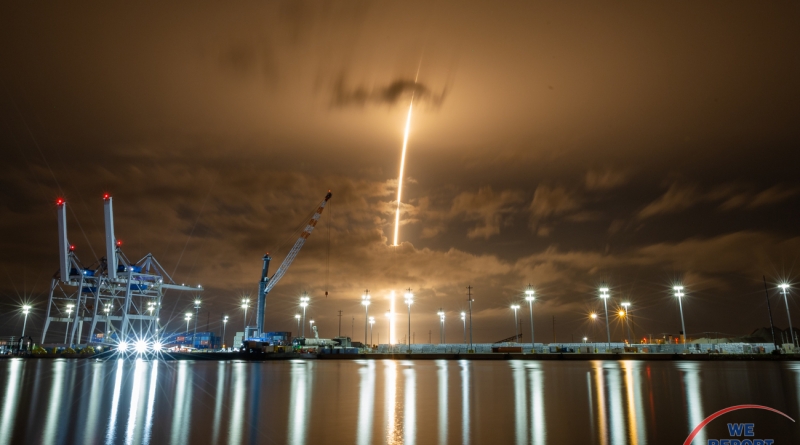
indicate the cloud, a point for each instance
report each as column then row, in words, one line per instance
column 388, row 94
column 552, row 201
column 487, row 207
column 604, row 179
column 752, row 200
column 677, row 198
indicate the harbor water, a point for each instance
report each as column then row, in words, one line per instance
column 65, row 401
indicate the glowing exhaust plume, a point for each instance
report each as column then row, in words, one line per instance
column 400, row 178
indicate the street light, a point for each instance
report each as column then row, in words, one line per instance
column 188, row 317
column 197, row 312
column 516, row 329
column 785, row 289
column 679, row 294
column 151, row 306
column 365, row 301
column 464, row 321
column 303, row 304
column 69, row 317
column 311, row 325
column 529, row 298
column 585, row 339
column 371, row 324
column 25, row 310
column 224, row 329
column 107, row 309
column 441, row 325
column 469, row 299
column 297, row 317
column 409, row 301
column 593, row 316
column 604, row 296
column 245, row 305
column 627, row 321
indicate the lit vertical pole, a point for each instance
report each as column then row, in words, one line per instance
column 365, row 302
column 679, row 294
column 469, row 299
column 297, row 317
column 409, row 301
column 188, row 317
column 529, row 298
column 303, row 304
column 69, row 315
column 224, row 329
column 25, row 310
column 107, row 309
column 245, row 305
column 516, row 326
column 628, row 322
column 441, row 325
column 197, row 315
column 785, row 288
column 604, row 296
column 593, row 316
column 371, row 324
column 464, row 322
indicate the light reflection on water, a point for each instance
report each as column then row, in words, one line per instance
column 383, row 401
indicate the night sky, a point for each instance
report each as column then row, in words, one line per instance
column 563, row 145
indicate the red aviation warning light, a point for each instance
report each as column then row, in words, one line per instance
column 106, row 196
column 72, row 247
column 119, row 243
column 59, row 201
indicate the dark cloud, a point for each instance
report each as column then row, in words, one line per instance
column 386, row 94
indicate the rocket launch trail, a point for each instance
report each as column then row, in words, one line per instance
column 402, row 168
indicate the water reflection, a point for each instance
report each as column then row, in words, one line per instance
column 366, row 401
column 465, row 419
column 302, row 381
column 538, row 421
column 441, row 374
column 10, row 399
column 691, row 386
column 410, row 409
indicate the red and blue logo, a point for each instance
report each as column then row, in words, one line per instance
column 740, row 433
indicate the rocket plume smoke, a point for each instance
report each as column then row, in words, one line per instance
column 402, row 167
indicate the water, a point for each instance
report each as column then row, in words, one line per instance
column 383, row 401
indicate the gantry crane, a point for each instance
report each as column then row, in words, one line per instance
column 267, row 283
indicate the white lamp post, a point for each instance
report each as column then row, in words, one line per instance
column 297, row 317
column 785, row 289
column 304, row 304
column 679, row 294
column 604, row 296
column 245, row 305
column 441, row 325
column 25, row 310
column 365, row 301
column 627, row 321
column 371, row 324
column 529, row 298
column 224, row 329
column 464, row 322
column 69, row 317
column 197, row 316
column 516, row 329
column 409, row 301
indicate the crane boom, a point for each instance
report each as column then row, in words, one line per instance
column 267, row 283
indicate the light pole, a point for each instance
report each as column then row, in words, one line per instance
column 628, row 322
column 224, row 329
column 25, row 310
column 151, row 306
column 409, row 301
column 516, row 329
column 365, row 301
column 311, row 325
column 593, row 316
column 188, row 317
column 245, row 305
column 604, row 296
column 679, row 294
column 303, row 304
column 197, row 315
column 785, row 289
column 464, row 322
column 441, row 325
column 107, row 309
column 529, row 298
column 469, row 299
column 371, row 324
column 297, row 317
column 69, row 317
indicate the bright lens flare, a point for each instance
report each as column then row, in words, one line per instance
column 402, row 168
